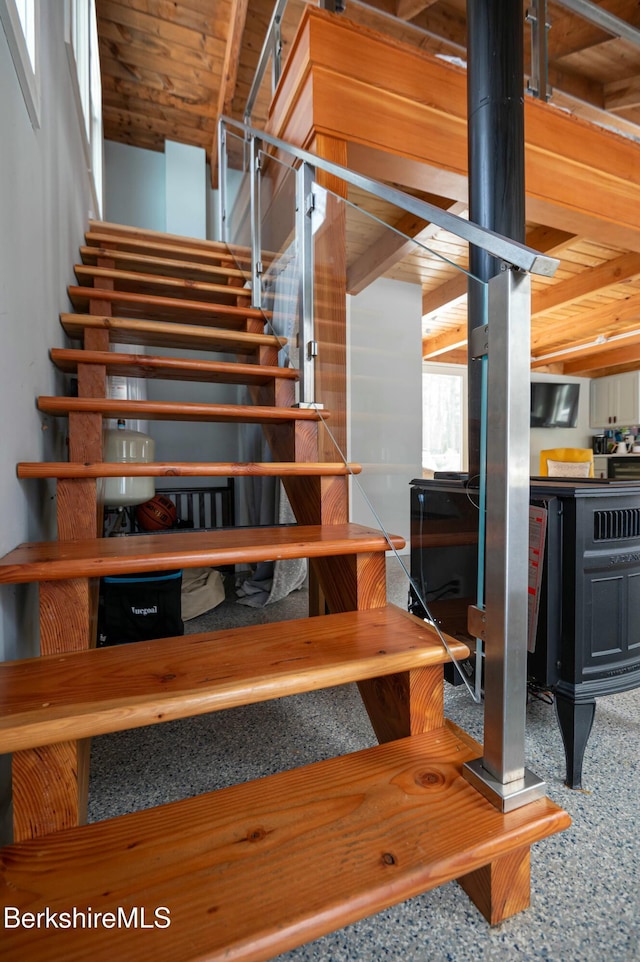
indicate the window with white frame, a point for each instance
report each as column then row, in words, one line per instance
column 444, row 417
column 84, row 59
column 20, row 19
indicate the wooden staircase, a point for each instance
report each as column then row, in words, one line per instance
column 255, row 869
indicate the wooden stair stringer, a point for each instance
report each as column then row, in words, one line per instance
column 308, row 851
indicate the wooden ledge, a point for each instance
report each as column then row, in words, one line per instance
column 59, row 697
column 256, row 869
column 138, row 281
column 184, row 469
column 60, row 560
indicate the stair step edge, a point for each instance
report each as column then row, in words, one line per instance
column 175, row 410
column 93, row 558
column 174, row 368
column 80, row 694
column 258, row 868
column 184, row 469
column 168, row 333
column 80, row 295
column 161, row 264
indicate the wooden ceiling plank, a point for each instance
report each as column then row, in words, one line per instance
column 154, row 80
column 229, row 75
column 159, row 110
column 136, row 57
column 129, row 17
column 203, row 16
column 117, row 91
column 135, row 40
column 121, row 120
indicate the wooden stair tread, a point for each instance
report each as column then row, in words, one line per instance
column 258, row 868
column 184, row 469
column 116, row 231
column 153, row 333
column 171, row 368
column 57, row 697
column 175, row 410
column 130, row 304
column 163, row 285
column 171, row 249
column 166, row 266
column 59, row 560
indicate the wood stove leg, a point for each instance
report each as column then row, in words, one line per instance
column 502, row 888
column 575, row 720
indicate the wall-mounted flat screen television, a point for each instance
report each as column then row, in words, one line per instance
column 554, row 405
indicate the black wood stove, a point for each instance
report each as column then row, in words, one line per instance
column 587, row 642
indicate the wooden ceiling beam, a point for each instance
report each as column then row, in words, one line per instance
column 393, row 247
column 588, row 282
column 229, row 76
column 547, row 240
column 604, row 321
column 607, row 357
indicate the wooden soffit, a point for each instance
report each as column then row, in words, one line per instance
column 403, row 115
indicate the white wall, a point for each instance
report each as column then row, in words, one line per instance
column 185, row 189
column 44, row 208
column 134, row 189
column 578, row 437
column 385, row 400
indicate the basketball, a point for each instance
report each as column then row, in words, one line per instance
column 156, row 514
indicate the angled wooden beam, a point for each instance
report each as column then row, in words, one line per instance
column 574, row 289
column 393, row 247
column 605, row 321
column 547, row 240
column 451, row 340
column 607, row 357
column 229, row 74
column 408, row 9
column 445, row 295
column 622, row 94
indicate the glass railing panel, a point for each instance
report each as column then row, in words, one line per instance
column 280, row 277
column 237, row 226
column 369, row 279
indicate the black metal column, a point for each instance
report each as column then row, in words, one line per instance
column 495, row 99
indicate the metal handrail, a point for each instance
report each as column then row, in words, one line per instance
column 271, row 37
column 511, row 252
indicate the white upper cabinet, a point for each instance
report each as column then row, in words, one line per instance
column 615, row 400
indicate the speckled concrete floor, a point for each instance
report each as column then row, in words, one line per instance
column 585, row 881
